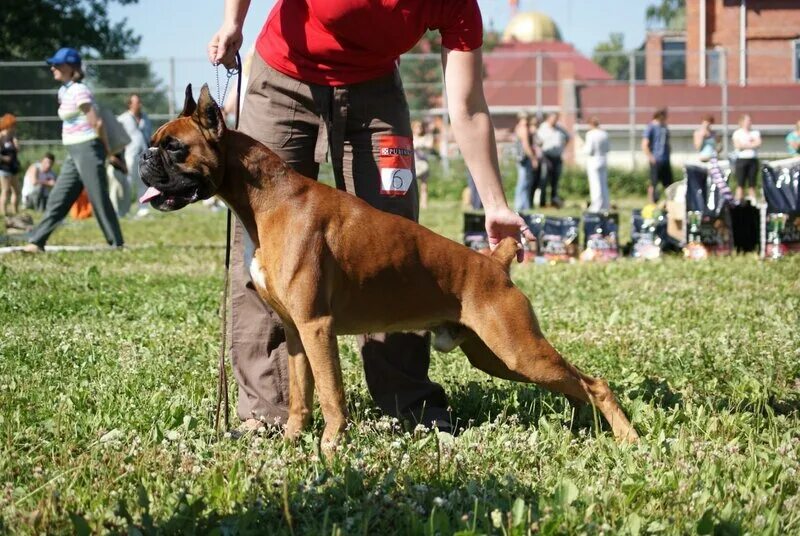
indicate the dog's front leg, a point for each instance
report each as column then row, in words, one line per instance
column 301, row 386
column 322, row 352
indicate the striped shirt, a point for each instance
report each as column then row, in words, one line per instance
column 76, row 127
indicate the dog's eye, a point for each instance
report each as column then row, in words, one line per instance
column 173, row 145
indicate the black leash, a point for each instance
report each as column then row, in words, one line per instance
column 222, row 384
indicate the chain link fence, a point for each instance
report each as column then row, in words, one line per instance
column 622, row 96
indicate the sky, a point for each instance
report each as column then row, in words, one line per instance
column 182, row 28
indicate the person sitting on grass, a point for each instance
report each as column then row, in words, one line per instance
column 39, row 180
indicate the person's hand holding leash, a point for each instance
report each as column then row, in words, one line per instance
column 225, row 44
column 228, row 40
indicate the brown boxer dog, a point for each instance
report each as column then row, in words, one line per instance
column 329, row 264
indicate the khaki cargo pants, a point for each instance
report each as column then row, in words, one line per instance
column 303, row 123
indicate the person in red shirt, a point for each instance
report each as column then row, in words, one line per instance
column 324, row 84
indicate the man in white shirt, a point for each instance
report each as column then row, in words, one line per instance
column 139, row 129
column 595, row 148
column 554, row 139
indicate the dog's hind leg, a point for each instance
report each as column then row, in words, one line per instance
column 322, row 352
column 513, row 347
column 301, row 386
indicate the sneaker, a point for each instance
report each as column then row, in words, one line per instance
column 32, row 248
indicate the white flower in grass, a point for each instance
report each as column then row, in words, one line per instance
column 497, row 518
column 438, row 501
column 421, row 429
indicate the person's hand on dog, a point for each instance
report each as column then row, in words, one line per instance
column 225, row 44
column 502, row 222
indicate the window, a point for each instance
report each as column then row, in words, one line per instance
column 796, row 59
column 714, row 66
column 673, row 66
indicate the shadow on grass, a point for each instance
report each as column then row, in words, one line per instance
column 478, row 402
column 343, row 497
column 656, row 392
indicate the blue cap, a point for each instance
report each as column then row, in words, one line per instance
column 65, row 55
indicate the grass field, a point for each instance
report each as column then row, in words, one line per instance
column 108, row 376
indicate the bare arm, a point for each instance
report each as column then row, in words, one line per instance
column 97, row 124
column 646, row 149
column 474, row 133
column 698, row 139
column 226, row 42
column 30, row 175
column 524, row 135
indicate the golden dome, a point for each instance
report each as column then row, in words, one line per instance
column 531, row 26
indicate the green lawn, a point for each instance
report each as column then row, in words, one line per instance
column 108, row 376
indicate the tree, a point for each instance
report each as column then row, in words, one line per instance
column 422, row 77
column 611, row 56
column 35, row 29
column 669, row 14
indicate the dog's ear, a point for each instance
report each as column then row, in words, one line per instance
column 189, row 106
column 208, row 114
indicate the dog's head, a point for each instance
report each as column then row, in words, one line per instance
column 185, row 160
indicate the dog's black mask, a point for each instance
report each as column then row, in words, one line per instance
column 182, row 164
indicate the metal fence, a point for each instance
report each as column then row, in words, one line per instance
column 537, row 81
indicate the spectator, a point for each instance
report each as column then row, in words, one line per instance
column 527, row 153
column 139, row 129
column 595, row 148
column 706, row 141
column 656, row 147
column 554, row 139
column 9, row 166
column 793, row 141
column 423, row 146
column 39, row 180
column 746, row 143
column 87, row 148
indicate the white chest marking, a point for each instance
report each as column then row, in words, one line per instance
column 257, row 275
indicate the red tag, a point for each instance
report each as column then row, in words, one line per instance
column 396, row 165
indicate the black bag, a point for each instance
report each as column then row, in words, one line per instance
column 781, row 188
column 559, row 239
column 648, row 236
column 600, row 236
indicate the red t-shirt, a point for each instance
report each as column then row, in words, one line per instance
column 339, row 42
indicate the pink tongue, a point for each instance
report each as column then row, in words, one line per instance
column 151, row 193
